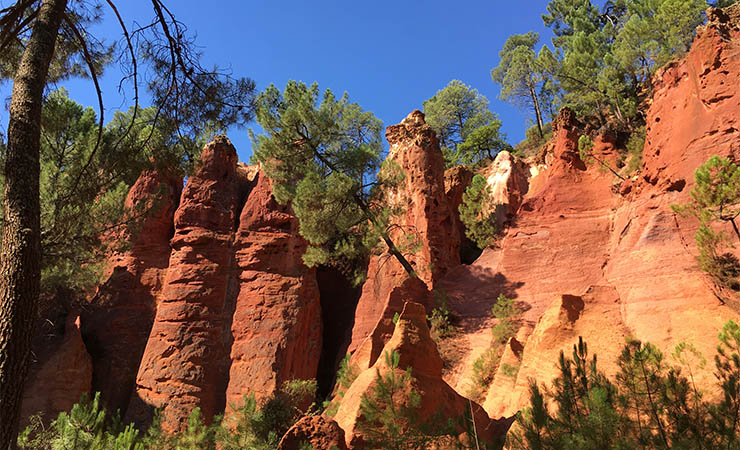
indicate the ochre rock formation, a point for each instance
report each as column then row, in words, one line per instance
column 588, row 257
column 417, row 350
column 237, row 312
column 457, row 180
column 117, row 323
column 212, row 301
column 318, row 431
column 428, row 218
column 277, row 321
column 508, row 180
column 186, row 360
column 62, row 379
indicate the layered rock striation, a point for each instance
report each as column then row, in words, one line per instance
column 417, row 351
column 428, row 219
column 185, row 363
column 276, row 325
column 594, row 256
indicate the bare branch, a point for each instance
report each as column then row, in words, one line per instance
column 94, row 76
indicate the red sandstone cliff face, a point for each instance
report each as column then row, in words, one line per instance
column 185, row 363
column 583, row 260
column 60, row 381
column 277, row 322
column 417, row 350
column 238, row 312
column 428, row 218
column 117, row 325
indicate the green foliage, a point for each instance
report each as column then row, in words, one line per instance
column 468, row 131
column 484, row 369
column 482, row 144
column 477, row 213
column 585, row 145
column 347, row 372
column 650, row 405
column 323, row 157
column 509, row 371
column 196, row 435
column 635, row 145
column 440, row 319
column 395, row 318
column 507, row 312
column 83, row 187
column 346, row 375
column 533, row 142
column 389, row 412
column 717, row 189
column 715, row 196
column 526, row 78
column 88, row 426
column 605, row 59
column 246, row 429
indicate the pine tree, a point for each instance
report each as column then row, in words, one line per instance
column 477, row 213
column 715, row 196
column 323, row 158
column 468, row 131
column 389, row 412
column 187, row 97
column 524, row 76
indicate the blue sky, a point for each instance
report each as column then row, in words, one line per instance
column 388, row 55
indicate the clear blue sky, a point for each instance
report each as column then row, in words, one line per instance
column 388, row 55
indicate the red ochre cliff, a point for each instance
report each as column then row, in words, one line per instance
column 212, row 301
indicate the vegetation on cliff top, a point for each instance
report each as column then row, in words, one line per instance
column 468, row 131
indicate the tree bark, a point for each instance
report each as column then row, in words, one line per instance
column 537, row 112
column 734, row 227
column 20, row 263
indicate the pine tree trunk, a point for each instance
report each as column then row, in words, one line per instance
column 734, row 227
column 20, row 263
column 537, row 112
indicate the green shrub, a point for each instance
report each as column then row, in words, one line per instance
column 88, row 426
column 533, row 143
column 509, row 371
column 585, row 145
column 651, row 403
column 715, row 197
column 635, row 145
column 484, row 368
column 507, row 313
column 390, row 418
column 440, row 320
column 477, row 213
column 346, row 375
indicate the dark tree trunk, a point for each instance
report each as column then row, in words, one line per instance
column 20, row 263
column 537, row 112
column 734, row 227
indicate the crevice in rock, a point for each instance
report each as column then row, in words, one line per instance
column 232, row 292
column 469, row 252
column 338, row 303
